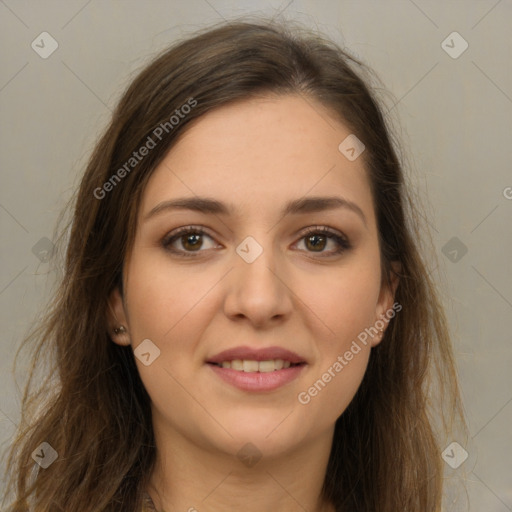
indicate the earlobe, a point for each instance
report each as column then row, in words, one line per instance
column 380, row 325
column 117, row 319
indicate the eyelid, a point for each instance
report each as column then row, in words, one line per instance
column 322, row 229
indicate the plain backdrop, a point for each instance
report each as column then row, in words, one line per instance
column 454, row 107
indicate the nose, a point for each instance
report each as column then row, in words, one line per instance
column 258, row 291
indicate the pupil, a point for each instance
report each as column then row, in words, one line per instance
column 316, row 244
column 192, row 240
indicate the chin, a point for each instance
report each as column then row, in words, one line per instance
column 271, row 432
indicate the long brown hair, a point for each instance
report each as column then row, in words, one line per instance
column 93, row 409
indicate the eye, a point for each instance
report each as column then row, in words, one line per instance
column 317, row 238
column 189, row 237
column 191, row 240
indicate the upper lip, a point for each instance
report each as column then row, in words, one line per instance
column 256, row 354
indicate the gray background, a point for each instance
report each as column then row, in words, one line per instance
column 455, row 116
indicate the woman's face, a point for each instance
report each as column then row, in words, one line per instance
column 254, row 278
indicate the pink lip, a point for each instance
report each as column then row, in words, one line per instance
column 261, row 354
column 256, row 381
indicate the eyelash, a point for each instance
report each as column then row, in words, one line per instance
column 168, row 240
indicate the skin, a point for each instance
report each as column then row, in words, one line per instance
column 256, row 155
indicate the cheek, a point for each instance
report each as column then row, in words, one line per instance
column 342, row 358
column 170, row 307
column 162, row 298
column 329, row 393
column 346, row 304
column 342, row 303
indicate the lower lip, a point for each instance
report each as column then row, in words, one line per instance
column 258, row 381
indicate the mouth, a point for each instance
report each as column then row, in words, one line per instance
column 253, row 366
column 257, row 370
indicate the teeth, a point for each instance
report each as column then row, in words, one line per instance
column 237, row 364
column 266, row 366
column 250, row 366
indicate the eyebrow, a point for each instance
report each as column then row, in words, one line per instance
column 297, row 206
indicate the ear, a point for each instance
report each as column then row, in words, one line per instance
column 116, row 317
column 385, row 311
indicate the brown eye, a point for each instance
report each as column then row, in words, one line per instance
column 191, row 242
column 186, row 241
column 316, row 242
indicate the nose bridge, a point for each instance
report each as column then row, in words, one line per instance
column 256, row 263
column 257, row 289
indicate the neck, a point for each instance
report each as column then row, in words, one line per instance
column 191, row 478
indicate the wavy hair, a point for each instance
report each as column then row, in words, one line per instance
column 92, row 407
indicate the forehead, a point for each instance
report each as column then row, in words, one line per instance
column 261, row 153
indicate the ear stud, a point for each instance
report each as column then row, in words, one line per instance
column 120, row 330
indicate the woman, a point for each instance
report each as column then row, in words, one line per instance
column 245, row 320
